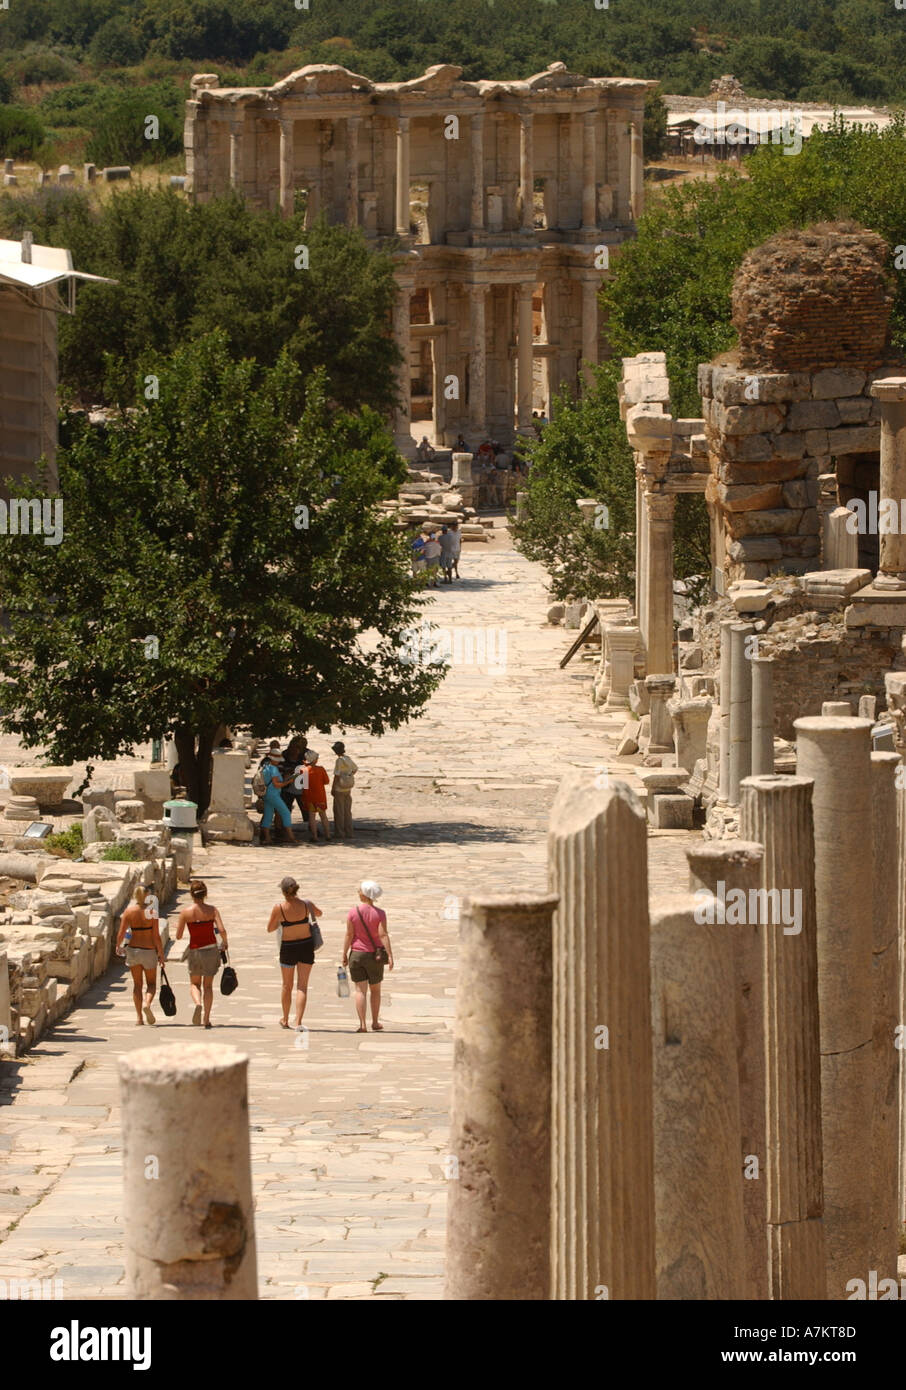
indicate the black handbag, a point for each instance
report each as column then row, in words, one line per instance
column 380, row 952
column 167, row 997
column 228, row 977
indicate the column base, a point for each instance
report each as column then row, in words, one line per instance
column 889, row 583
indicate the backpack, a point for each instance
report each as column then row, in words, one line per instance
column 259, row 786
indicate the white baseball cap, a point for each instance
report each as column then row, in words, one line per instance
column 370, row 888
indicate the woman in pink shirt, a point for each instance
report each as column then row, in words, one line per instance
column 366, row 949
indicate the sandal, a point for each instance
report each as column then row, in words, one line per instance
column 283, row 1025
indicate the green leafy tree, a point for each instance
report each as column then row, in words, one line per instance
column 122, row 134
column 183, row 270
column 22, row 134
column 654, row 133
column 252, row 550
column 116, row 44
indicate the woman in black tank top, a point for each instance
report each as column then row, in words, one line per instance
column 294, row 916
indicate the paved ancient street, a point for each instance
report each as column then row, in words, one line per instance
column 349, row 1132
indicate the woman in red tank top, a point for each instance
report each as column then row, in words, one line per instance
column 204, row 923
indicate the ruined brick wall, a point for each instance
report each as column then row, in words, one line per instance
column 815, row 657
column 814, row 298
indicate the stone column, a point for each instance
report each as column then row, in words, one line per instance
column 237, row 130
column 476, row 214
column 636, row 172
column 698, row 1186
column 731, row 871
column 402, row 176
column 477, row 358
column 352, row 170
column 188, row 1217
column 762, row 715
column 726, row 686
column 841, row 545
column 660, row 692
column 287, row 152
column 690, row 731
column 526, row 171
column 402, row 430
column 836, row 754
column 740, row 709
column 525, row 361
column 622, row 641
column 603, row 1147
column 777, row 812
column 589, row 184
column 439, row 364
column 659, row 581
column 891, row 392
column 641, row 558
column 589, row 330
column 499, row 1208
column 886, row 1016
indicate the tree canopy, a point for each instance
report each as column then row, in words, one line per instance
column 251, row 549
column 183, row 270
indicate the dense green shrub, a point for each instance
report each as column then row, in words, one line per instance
column 116, row 45
column 22, row 134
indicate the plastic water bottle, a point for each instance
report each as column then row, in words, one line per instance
column 342, row 982
column 126, row 939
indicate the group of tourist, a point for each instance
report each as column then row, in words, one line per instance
column 366, row 950
column 294, row 776
column 437, row 551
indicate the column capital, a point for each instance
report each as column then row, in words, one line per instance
column 660, row 505
column 477, row 291
column 525, row 290
column 353, row 122
column 402, row 124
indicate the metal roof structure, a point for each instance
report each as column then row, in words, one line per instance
column 29, row 267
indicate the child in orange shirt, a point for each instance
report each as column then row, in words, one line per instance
column 315, row 794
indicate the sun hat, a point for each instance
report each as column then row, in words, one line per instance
column 370, row 888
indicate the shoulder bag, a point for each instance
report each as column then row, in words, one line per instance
column 316, row 937
column 380, row 952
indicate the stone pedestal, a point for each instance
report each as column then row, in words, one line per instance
column 690, row 730
column 777, row 811
column 698, row 1186
column 499, row 1205
column 188, row 1218
column 152, row 788
column 620, row 641
column 660, row 691
column 740, row 709
column 603, row 1219
column 886, row 1016
column 730, row 870
column 836, row 755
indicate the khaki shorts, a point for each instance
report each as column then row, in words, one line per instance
column 140, row 955
column 204, row 960
column 363, row 966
